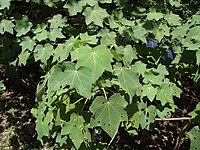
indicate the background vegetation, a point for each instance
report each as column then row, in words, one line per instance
column 106, row 74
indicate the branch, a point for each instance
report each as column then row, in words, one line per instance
column 173, row 119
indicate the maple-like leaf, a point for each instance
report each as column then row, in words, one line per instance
column 129, row 81
column 108, row 113
column 95, row 15
column 97, row 59
column 6, row 26
column 81, row 79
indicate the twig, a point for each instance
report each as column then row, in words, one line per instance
column 173, row 119
column 180, row 136
column 104, row 92
column 78, row 100
column 112, row 138
column 84, row 105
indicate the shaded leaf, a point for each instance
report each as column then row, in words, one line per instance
column 129, row 81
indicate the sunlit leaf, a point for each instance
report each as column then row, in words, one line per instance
column 95, row 15
column 108, row 113
column 98, row 59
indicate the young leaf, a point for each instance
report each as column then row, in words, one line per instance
column 161, row 31
column 108, row 113
column 6, row 26
column 173, row 19
column 57, row 21
column 97, row 59
column 149, row 91
column 165, row 94
column 139, row 33
column 90, row 39
column 43, row 53
column 27, row 43
column 129, row 54
column 23, row 26
column 96, row 15
column 75, row 129
column 55, row 33
column 61, row 52
column 129, row 81
column 74, row 7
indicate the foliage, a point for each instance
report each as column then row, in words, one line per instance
column 2, row 86
column 106, row 64
column 194, row 135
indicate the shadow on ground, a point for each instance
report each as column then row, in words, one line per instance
column 16, row 122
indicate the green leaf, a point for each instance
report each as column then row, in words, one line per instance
column 149, row 91
column 27, row 43
column 75, row 129
column 2, row 86
column 129, row 81
column 195, row 114
column 61, row 139
column 23, row 26
column 161, row 31
column 179, row 32
column 95, row 15
column 198, row 56
column 41, row 35
column 4, row 4
column 41, row 128
column 173, row 19
column 108, row 113
column 153, row 77
column 144, row 116
column 23, row 57
column 112, row 22
column 105, row 1
column 55, row 33
column 97, row 59
column 140, row 67
column 107, row 37
column 175, row 3
column 91, row 39
column 194, row 33
column 43, row 53
column 139, row 33
column 166, row 110
column 165, row 94
column 39, row 28
column 57, row 21
column 129, row 54
column 74, row 7
column 153, row 15
column 6, row 26
column 81, row 79
column 61, row 52
column 195, row 20
column 194, row 135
